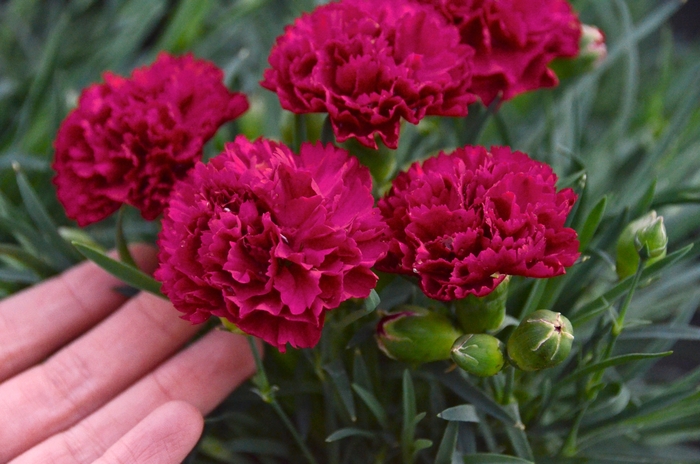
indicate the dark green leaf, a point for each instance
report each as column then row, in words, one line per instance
column 409, row 413
column 373, row 404
column 17, row 276
column 517, row 435
column 127, row 274
column 489, row 458
column 600, row 304
column 43, row 221
column 614, row 361
column 462, row 387
column 461, row 413
column 592, row 222
column 349, row 432
column 340, row 379
column 122, row 245
column 26, row 259
column 666, row 332
column 421, row 443
column 448, row 444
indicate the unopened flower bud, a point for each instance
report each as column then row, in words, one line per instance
column 479, row 354
column 542, row 340
column 477, row 315
column 416, row 335
column 592, row 46
column 642, row 238
column 592, row 52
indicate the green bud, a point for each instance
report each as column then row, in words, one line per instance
column 644, row 238
column 479, row 354
column 416, row 335
column 542, row 340
column 477, row 315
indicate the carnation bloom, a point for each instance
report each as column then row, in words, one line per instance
column 270, row 240
column 514, row 40
column 130, row 139
column 462, row 222
column 370, row 63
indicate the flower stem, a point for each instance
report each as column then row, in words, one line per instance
column 267, row 393
column 510, row 383
column 569, row 447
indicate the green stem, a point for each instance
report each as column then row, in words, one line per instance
column 267, row 393
column 300, row 135
column 510, row 384
column 617, row 326
column 569, row 447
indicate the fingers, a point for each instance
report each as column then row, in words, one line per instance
column 41, row 319
column 88, row 372
column 165, row 436
column 202, row 375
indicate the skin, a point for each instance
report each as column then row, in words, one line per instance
column 87, row 375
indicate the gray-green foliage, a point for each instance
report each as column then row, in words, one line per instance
column 629, row 132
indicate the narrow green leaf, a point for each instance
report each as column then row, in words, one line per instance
column 186, row 24
column 372, row 301
column 646, row 201
column 27, row 236
column 489, row 458
column 664, row 332
column 26, row 259
column 448, row 444
column 369, row 305
column 614, row 361
column 360, row 373
column 349, row 432
column 600, row 304
column 373, row 404
column 518, row 437
column 42, row 219
column 122, row 245
column 18, row 276
column 421, row 443
column 463, row 388
column 533, row 298
column 409, row 413
column 592, row 222
column 126, row 273
column 340, row 379
column 461, row 413
column 572, row 180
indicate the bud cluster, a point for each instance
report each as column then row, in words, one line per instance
column 417, row 335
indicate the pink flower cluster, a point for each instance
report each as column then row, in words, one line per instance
column 270, row 240
column 130, row 139
column 370, row 64
column 462, row 222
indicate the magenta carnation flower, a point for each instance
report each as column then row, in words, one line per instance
column 462, row 222
column 369, row 64
column 514, row 40
column 130, row 139
column 270, row 240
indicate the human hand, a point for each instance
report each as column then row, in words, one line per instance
column 89, row 376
